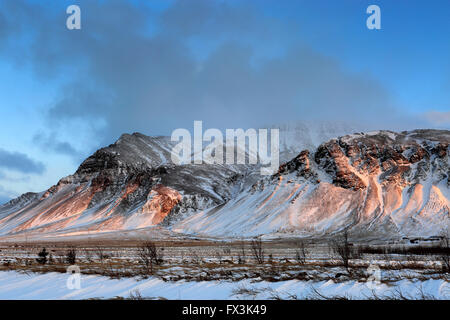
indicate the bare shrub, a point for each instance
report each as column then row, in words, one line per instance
column 135, row 295
column 445, row 255
column 60, row 257
column 301, row 252
column 242, row 290
column 112, row 272
column 88, row 255
column 422, row 295
column 42, row 256
column 397, row 294
column 345, row 250
column 227, row 252
column 100, row 253
column 148, row 256
column 315, row 294
column 257, row 250
column 218, row 256
column 241, row 256
column 71, row 256
column 274, row 294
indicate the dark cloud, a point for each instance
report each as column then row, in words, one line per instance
column 131, row 69
column 20, row 162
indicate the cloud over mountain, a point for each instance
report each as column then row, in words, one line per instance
column 132, row 68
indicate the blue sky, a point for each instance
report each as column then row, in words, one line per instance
column 154, row 66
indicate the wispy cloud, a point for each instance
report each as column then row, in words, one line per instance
column 440, row 118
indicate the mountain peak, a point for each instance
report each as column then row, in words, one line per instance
column 130, row 151
column 380, row 183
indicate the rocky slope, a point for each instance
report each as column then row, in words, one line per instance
column 128, row 185
column 377, row 184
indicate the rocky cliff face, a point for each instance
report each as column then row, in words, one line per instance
column 377, row 184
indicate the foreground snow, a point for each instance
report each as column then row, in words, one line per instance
column 15, row 285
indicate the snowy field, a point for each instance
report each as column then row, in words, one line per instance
column 15, row 285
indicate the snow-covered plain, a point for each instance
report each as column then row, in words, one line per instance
column 15, row 285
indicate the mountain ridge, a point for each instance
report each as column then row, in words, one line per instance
column 364, row 181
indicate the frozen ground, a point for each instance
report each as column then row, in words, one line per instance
column 15, row 285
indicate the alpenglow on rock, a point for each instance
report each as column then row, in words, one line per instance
column 376, row 184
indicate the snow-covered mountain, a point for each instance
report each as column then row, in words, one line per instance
column 378, row 184
column 128, row 185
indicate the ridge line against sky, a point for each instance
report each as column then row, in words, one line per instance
column 154, row 66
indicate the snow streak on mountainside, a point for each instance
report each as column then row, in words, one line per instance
column 378, row 183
